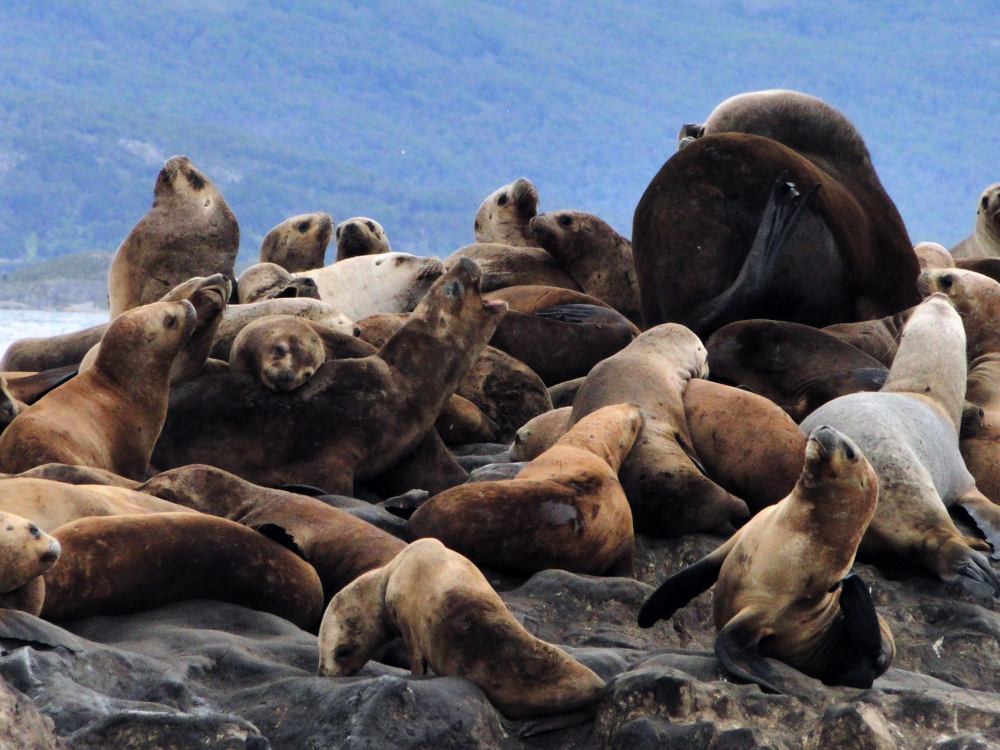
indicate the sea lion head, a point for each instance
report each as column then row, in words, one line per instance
column 975, row 297
column 283, row 351
column 455, row 304
column 354, row 626
column 180, row 181
column 209, row 295
column 8, row 405
column 503, row 217
column 361, row 236
column 677, row 343
column 933, row 255
column 154, row 332
column 26, row 552
column 299, row 243
column 689, row 133
column 271, row 281
column 988, row 209
column 567, row 233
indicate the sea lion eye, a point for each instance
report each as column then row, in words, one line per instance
column 338, row 233
column 947, row 280
column 33, row 530
column 849, row 452
column 502, row 200
column 281, row 350
column 171, row 322
column 986, row 201
column 303, row 226
column 371, row 226
column 565, row 221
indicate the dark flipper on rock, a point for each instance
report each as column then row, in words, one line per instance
column 678, row 590
column 736, row 650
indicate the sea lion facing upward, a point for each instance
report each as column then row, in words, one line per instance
column 566, row 509
column 909, row 432
column 26, row 553
column 503, row 217
column 595, row 254
column 361, row 236
column 270, row 281
column 298, row 243
column 455, row 623
column 188, row 232
column 110, row 416
column 984, row 242
column 782, row 588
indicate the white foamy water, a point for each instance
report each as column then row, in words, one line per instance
column 20, row 324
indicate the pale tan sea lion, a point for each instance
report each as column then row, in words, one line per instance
column 298, row 243
column 984, row 242
column 264, row 281
column 361, row 236
column 445, row 610
column 933, row 255
column 188, row 232
column 503, row 217
column 75, row 475
column 26, row 553
column 540, row 433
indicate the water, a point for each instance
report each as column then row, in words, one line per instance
column 19, row 324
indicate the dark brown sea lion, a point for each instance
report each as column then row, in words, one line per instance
column 298, row 243
column 51, row 352
column 879, row 339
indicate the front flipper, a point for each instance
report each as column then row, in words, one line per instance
column 678, row 590
column 986, row 516
column 865, row 632
column 736, row 648
column 978, row 577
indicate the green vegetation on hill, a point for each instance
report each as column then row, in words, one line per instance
column 412, row 113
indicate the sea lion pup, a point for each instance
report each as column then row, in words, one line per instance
column 110, row 416
column 339, row 546
column 454, row 623
column 507, row 265
column 909, row 432
column 188, row 232
column 26, row 553
column 564, row 510
column 746, row 443
column 668, row 491
column 270, row 281
column 797, row 367
column 782, row 588
column 50, row 504
column 51, row 352
column 298, row 243
column 354, row 419
column 503, row 217
column 984, row 242
column 281, row 351
column 933, row 255
column 372, row 284
column 119, row 565
column 595, row 255
column 361, row 236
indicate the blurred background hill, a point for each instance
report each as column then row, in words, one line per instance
column 412, row 113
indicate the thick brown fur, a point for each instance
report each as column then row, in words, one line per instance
column 506, row 265
column 263, row 281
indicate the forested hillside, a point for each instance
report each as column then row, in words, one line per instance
column 413, row 112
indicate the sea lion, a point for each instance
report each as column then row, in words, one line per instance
column 298, row 243
column 371, row 284
column 595, row 255
column 339, row 546
column 270, row 281
column 668, row 491
column 9, row 406
column 27, row 388
column 984, row 242
column 354, row 419
column 986, row 266
column 503, row 217
column 565, row 509
column 933, row 255
column 75, row 475
column 188, row 232
column 38, row 354
column 879, row 339
column 281, row 351
column 746, row 443
column 360, row 236
column 782, row 588
column 507, row 265
column 26, row 554
column 453, row 622
column 119, row 565
column 110, row 416
column 430, row 466
column 461, row 422
column 909, row 432
column 49, row 504
column 540, row 433
column 563, row 394
column 797, row 367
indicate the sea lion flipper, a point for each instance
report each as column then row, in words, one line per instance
column 860, row 616
column 986, row 516
column 978, row 577
column 30, row 388
column 736, row 650
column 679, row 589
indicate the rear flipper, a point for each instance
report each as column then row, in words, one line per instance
column 781, row 216
column 736, row 649
column 986, row 516
column 865, row 632
column 679, row 589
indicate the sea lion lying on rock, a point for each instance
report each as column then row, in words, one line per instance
column 270, row 281
column 298, row 243
column 361, row 236
column 507, row 265
column 26, row 553
column 503, row 217
column 453, row 622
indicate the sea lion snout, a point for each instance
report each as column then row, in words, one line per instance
column 52, row 553
column 825, row 443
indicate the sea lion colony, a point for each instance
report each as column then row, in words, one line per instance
column 764, row 362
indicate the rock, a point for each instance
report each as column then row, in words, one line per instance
column 855, row 727
column 647, row 733
column 22, row 725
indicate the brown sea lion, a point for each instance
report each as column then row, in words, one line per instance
column 503, row 217
column 26, row 553
column 9, row 406
column 188, row 232
column 879, row 339
column 563, row 394
column 453, row 622
column 354, row 419
column 264, row 281
column 360, row 236
column 462, row 422
column 298, row 243
column 933, row 255
column 669, row 493
column 540, row 433
column 595, row 255
column 984, row 242
column 339, row 546
column 75, row 475
column 797, row 367
column 909, row 431
column 27, row 388
column 563, row 510
column 777, row 238
column 51, row 352
column 281, row 351
column 986, row 266
column 506, row 265
column 110, row 416
column 119, row 565
column 782, row 588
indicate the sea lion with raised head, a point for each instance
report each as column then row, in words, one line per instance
column 264, row 281
column 782, row 583
column 361, row 236
column 454, row 623
column 984, row 242
column 503, row 217
column 26, row 554
column 298, row 243
column 189, row 231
